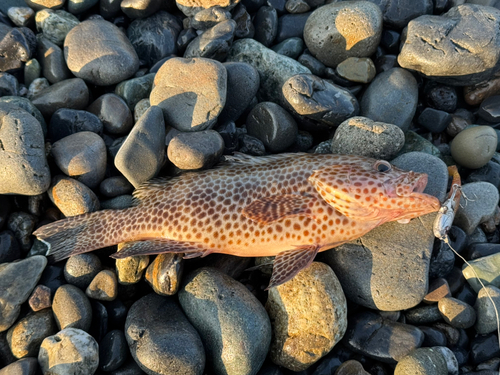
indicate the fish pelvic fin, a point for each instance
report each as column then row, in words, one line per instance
column 81, row 234
column 289, row 263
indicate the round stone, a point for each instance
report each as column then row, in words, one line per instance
column 27, row 105
column 486, row 316
column 104, row 286
column 113, row 351
column 195, row 150
column 93, row 50
column 82, row 156
column 357, row 69
column 309, row 315
column 474, row 147
column 362, row 136
column 65, row 122
column 226, row 314
column 52, row 60
column 130, row 270
column 71, row 93
column 266, row 25
column 191, row 92
column 353, row 29
column 113, row 112
column 135, row 89
column 9, row 85
column 70, row 351
column 291, row 47
column 207, row 18
column 72, row 197
column 81, row 269
column 71, row 308
column 457, row 313
column 273, row 125
column 114, row 186
column 422, row 361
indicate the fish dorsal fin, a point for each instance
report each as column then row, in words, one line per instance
column 289, row 263
column 152, row 247
column 240, row 158
column 267, row 210
column 333, row 184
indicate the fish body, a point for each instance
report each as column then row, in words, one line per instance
column 288, row 205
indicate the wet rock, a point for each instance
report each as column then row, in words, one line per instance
column 472, row 38
column 274, row 69
column 164, row 274
column 19, row 279
column 391, row 98
column 474, row 147
column 55, row 24
column 72, row 308
column 362, row 136
column 193, row 97
column 27, row 334
column 94, row 48
column 341, row 39
column 71, row 93
column 72, row 197
column 70, row 351
column 154, row 37
column 316, row 99
column 309, row 315
column 383, row 340
column 104, row 286
column 225, row 313
column 142, row 154
column 213, row 43
column 161, row 339
column 81, row 269
column 113, row 112
column 274, row 126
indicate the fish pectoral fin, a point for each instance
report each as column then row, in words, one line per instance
column 289, row 263
column 152, row 247
column 276, row 207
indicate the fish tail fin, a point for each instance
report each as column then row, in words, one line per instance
column 82, row 233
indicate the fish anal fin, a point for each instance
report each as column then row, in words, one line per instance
column 289, row 263
column 159, row 246
column 275, row 207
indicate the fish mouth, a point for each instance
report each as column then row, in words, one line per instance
column 418, row 192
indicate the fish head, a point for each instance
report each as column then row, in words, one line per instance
column 374, row 190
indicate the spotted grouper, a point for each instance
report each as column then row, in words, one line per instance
column 289, row 205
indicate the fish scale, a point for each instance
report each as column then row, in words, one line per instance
column 288, row 205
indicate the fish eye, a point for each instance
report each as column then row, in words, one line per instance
column 382, row 166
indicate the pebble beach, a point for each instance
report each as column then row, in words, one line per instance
column 98, row 97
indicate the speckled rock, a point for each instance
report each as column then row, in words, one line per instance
column 354, row 30
column 72, row 197
column 195, row 150
column 362, row 136
column 391, row 98
column 71, row 308
column 274, row 69
column 142, row 154
column 21, row 16
column 225, row 313
column 81, row 269
column 81, row 156
column 130, row 270
column 164, row 273
column 193, row 97
column 422, row 361
column 23, row 165
column 474, row 147
column 71, row 93
column 161, row 339
column 472, row 39
column 27, row 334
column 480, row 208
column 55, row 24
column 486, row 318
column 19, row 279
column 70, row 351
column 41, row 298
column 95, row 48
column 309, row 315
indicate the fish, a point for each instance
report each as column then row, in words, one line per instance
column 290, row 206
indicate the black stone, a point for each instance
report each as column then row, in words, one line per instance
column 53, row 276
column 291, row 47
column 489, row 173
column 228, row 133
column 461, row 354
column 489, row 109
column 207, row 18
column 291, row 25
column 266, row 25
column 466, row 294
column 5, row 206
column 442, row 261
column 390, row 41
column 113, row 351
column 6, row 356
column 66, row 121
column 99, row 326
column 214, row 43
column 432, row 336
column 185, row 37
column 52, row 61
column 117, row 313
column 9, row 247
column 425, row 314
column 313, row 64
column 455, row 280
column 479, row 250
column 251, row 145
column 484, row 347
column 16, row 50
column 385, row 62
column 458, row 239
column 244, row 25
column 279, row 5
column 155, row 37
column 440, row 96
column 253, row 5
column 434, row 120
column 452, row 334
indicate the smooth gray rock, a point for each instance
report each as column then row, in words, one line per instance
column 213, row 43
column 142, row 154
column 291, row 47
column 457, row 313
column 71, row 308
column 225, row 314
column 362, row 136
column 18, row 280
column 243, row 81
column 113, row 112
column 72, row 197
column 191, row 92
column 95, row 48
column 274, row 69
column 353, row 29
column 114, row 186
column 487, row 268
column 479, row 208
column 32, row 70
column 52, row 60
column 161, row 339
column 486, row 317
column 195, row 150
column 81, row 156
column 475, row 146
column 81, row 269
column 391, row 98
column 26, row 335
column 23, row 165
column 397, row 13
column 386, row 269
column 71, row 93
column 309, row 315
column 27, row 105
column 467, row 53
column 55, row 24
column 316, row 99
column 9, row 85
column 70, row 351
column 135, row 89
